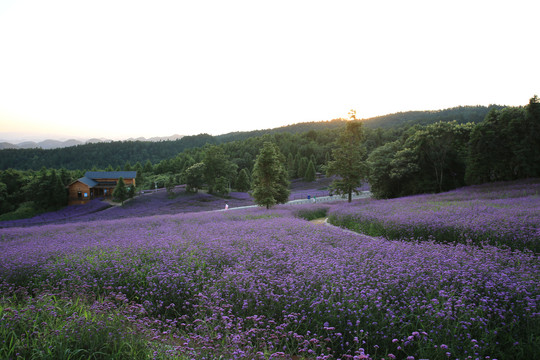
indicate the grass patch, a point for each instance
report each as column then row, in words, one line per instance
column 312, row 214
column 51, row 328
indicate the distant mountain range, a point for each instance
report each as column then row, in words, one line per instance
column 55, row 144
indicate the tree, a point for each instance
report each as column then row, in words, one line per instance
column 270, row 183
column 59, row 194
column 291, row 166
column 139, row 179
column 148, row 167
column 120, row 191
column 169, row 185
column 217, row 164
column 348, row 160
column 4, row 206
column 194, row 177
column 242, row 182
column 310, row 174
column 221, row 186
column 439, row 146
column 302, row 166
column 491, row 147
column 382, row 185
column 131, row 191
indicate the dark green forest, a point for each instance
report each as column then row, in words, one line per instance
column 117, row 153
column 402, row 154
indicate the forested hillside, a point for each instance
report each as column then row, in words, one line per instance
column 117, row 153
column 461, row 114
column 99, row 155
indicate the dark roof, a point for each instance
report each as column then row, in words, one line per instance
column 88, row 181
column 85, row 180
column 111, row 174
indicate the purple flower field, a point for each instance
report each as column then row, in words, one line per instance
column 498, row 214
column 258, row 284
column 148, row 204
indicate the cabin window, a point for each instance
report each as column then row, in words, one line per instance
column 85, row 195
column 79, row 194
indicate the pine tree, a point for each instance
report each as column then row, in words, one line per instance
column 291, row 166
column 148, row 167
column 242, row 182
column 310, row 174
column 302, row 167
column 120, row 191
column 270, row 183
column 348, row 161
column 131, row 191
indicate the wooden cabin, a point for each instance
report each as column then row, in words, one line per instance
column 98, row 184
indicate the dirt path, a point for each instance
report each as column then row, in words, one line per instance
column 324, row 221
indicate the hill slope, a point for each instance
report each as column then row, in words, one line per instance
column 116, row 153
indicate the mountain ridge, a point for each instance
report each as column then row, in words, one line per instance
column 56, row 144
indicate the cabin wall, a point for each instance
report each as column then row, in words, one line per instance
column 79, row 193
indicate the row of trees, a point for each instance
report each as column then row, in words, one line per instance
column 26, row 193
column 447, row 155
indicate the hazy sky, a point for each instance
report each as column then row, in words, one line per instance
column 120, row 69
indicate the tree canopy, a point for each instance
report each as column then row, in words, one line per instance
column 348, row 161
column 270, row 183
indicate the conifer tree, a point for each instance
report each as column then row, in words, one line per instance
column 120, row 191
column 270, row 183
column 242, row 182
column 310, row 174
column 302, row 167
column 148, row 167
column 291, row 166
column 348, row 161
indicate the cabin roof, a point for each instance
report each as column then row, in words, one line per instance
column 87, row 181
column 111, row 174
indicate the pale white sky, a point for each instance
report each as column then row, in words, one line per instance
column 119, row 69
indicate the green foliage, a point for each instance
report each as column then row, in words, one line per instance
column 312, row 213
column 25, row 210
column 194, row 177
column 348, row 161
column 243, row 183
column 148, row 167
column 382, row 184
column 169, row 185
column 120, row 192
column 291, row 166
column 221, row 186
column 428, row 159
column 270, row 183
column 302, row 164
column 310, row 174
column 217, row 165
column 100, row 155
column 506, row 145
column 131, row 191
column 45, row 328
